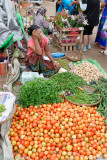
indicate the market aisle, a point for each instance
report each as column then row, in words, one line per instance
column 94, row 53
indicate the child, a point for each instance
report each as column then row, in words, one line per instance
column 34, row 60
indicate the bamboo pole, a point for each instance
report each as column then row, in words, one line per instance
column 19, row 5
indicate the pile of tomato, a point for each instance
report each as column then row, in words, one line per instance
column 60, row 131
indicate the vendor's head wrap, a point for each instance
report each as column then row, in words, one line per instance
column 33, row 27
column 41, row 11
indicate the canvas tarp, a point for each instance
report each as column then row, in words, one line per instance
column 10, row 29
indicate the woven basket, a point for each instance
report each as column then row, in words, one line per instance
column 4, row 65
column 10, row 115
column 75, row 56
column 88, row 90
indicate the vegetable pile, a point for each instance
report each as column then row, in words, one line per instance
column 81, row 96
column 102, row 87
column 64, row 64
column 2, row 109
column 38, row 92
column 67, row 80
column 60, row 131
column 88, row 71
column 42, row 91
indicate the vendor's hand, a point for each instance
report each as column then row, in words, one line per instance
column 37, row 34
column 56, row 65
column 71, row 4
column 49, row 20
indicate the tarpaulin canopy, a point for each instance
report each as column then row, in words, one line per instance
column 11, row 26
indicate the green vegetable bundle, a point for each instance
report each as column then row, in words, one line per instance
column 2, row 109
column 101, row 86
column 67, row 80
column 40, row 91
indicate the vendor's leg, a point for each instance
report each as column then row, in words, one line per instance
column 46, row 71
column 35, row 67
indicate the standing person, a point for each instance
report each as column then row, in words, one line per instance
column 41, row 20
column 101, row 37
column 34, row 60
column 58, row 4
column 92, row 12
column 65, row 4
column 81, row 5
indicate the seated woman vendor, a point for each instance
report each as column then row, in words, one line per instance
column 34, row 60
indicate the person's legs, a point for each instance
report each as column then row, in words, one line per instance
column 85, row 38
column 89, row 39
column 85, row 41
column 105, row 52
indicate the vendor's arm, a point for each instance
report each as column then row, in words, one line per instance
column 59, row 2
column 45, row 23
column 56, row 65
column 103, row 4
column 74, row 2
column 36, row 49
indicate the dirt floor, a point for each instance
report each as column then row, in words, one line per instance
column 94, row 53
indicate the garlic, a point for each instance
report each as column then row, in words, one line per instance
column 88, row 71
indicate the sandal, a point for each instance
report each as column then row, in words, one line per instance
column 101, row 47
column 103, row 53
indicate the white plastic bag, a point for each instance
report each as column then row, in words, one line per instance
column 105, row 25
column 30, row 76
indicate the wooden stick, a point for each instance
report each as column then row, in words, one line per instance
column 19, row 5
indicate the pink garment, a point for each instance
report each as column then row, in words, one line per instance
column 31, row 43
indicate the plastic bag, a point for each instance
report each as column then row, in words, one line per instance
column 105, row 25
column 30, row 76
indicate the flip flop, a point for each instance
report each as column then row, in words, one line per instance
column 103, row 53
column 101, row 47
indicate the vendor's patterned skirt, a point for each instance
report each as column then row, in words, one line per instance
column 101, row 37
column 36, row 63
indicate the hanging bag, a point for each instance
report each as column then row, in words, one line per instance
column 105, row 25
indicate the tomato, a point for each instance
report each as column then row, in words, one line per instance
column 58, row 131
column 49, row 127
column 34, row 124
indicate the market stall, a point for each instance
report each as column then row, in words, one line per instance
column 59, row 118
column 55, row 128
column 68, row 34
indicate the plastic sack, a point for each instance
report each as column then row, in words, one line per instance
column 105, row 25
column 30, row 76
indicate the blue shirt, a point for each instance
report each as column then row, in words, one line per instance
column 105, row 10
column 66, row 5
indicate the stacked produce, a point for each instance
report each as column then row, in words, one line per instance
column 102, row 87
column 59, row 131
column 42, row 91
column 39, row 91
column 88, row 71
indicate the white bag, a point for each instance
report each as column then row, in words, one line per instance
column 105, row 25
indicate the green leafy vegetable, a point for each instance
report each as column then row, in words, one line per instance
column 2, row 109
column 40, row 91
column 101, row 86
